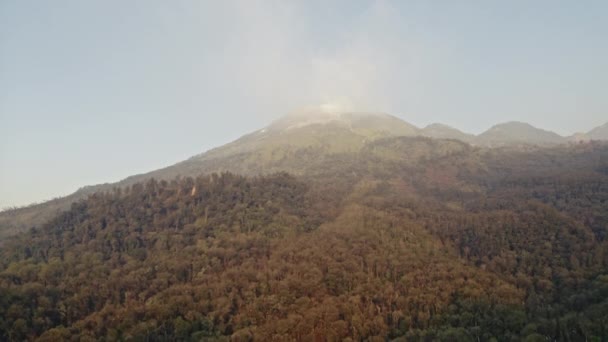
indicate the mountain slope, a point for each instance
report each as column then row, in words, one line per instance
column 409, row 237
column 441, row 131
column 332, row 132
column 234, row 257
column 599, row 133
column 296, row 143
column 513, row 132
column 288, row 144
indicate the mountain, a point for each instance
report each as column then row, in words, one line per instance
column 309, row 130
column 441, row 131
column 578, row 137
column 362, row 123
column 290, row 143
column 513, row 133
column 295, row 143
column 599, row 133
column 406, row 238
column 329, row 226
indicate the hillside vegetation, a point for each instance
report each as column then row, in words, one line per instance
column 407, row 239
column 292, row 142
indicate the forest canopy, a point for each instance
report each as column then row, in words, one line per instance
column 453, row 245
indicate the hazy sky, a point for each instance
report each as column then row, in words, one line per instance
column 94, row 91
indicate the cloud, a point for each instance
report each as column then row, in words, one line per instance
column 272, row 58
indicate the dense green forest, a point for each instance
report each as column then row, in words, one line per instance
column 409, row 239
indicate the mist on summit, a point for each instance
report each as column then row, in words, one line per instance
column 153, row 84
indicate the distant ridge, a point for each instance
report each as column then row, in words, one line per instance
column 599, row 133
column 516, row 132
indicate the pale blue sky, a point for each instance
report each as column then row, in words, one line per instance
column 94, row 91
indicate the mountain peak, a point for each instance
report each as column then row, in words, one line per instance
column 518, row 132
column 511, row 125
column 599, row 133
column 322, row 114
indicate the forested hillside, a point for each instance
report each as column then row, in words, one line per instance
column 408, row 239
column 299, row 143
